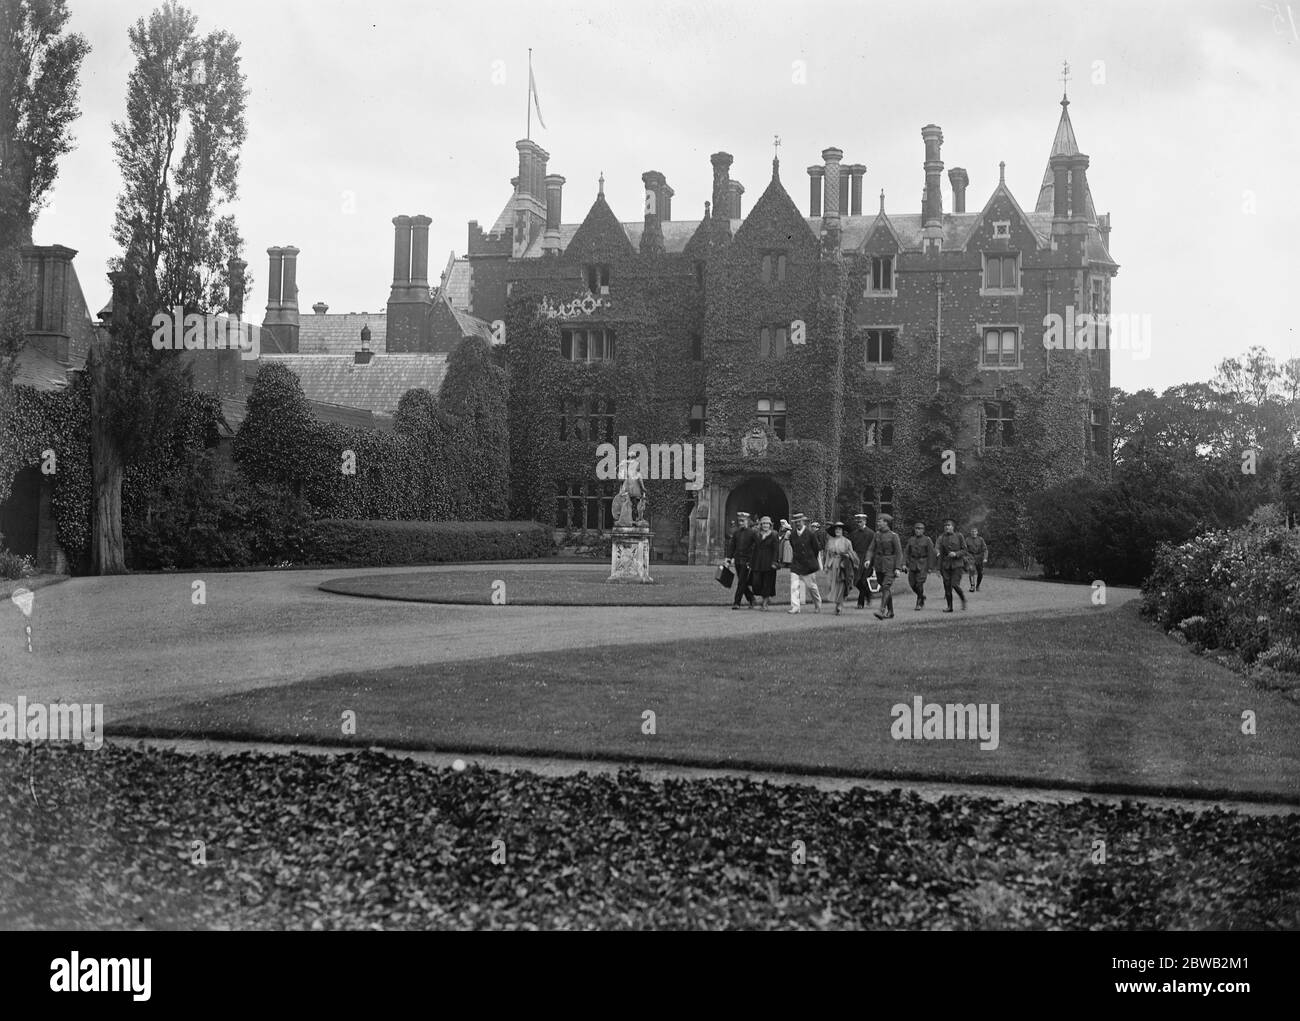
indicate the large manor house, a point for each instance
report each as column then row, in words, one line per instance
column 829, row 358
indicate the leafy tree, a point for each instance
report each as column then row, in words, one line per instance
column 40, row 65
column 39, row 69
column 178, row 151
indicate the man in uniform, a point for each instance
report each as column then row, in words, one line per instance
column 920, row 556
column 861, row 539
column 952, row 562
column 806, row 549
column 886, row 553
column 740, row 551
column 979, row 551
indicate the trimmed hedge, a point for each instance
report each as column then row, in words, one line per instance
column 390, row 543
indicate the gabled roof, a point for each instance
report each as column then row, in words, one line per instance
column 375, row 387
column 600, row 233
column 774, row 205
column 1042, row 229
column 1063, row 144
column 881, row 220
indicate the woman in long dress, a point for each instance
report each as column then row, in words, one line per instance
column 767, row 556
column 841, row 563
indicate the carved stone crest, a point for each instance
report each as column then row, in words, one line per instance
column 754, row 443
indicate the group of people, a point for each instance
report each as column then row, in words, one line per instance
column 866, row 560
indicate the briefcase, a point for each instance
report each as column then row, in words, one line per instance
column 724, row 576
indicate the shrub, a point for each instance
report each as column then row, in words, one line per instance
column 1236, row 590
column 214, row 517
column 13, row 566
column 385, row 543
column 1283, row 656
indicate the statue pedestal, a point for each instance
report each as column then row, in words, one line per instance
column 629, row 558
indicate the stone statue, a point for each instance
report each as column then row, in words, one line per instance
column 628, row 514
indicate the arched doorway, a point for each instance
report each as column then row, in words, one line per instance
column 759, row 495
column 20, row 514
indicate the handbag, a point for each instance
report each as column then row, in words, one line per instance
column 724, row 576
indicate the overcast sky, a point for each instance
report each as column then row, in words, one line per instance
column 359, row 111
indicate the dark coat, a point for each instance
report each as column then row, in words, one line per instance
column 919, row 552
column 979, row 549
column 805, row 548
column 861, row 539
column 741, row 546
column 949, row 544
column 886, row 552
column 767, row 552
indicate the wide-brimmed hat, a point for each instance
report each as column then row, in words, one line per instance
column 742, row 514
column 837, row 524
column 800, row 516
column 784, row 523
column 861, row 516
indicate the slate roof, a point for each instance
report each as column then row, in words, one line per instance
column 339, row 333
column 36, row 369
column 457, row 282
column 235, row 410
column 1063, row 144
column 375, row 387
column 470, row 326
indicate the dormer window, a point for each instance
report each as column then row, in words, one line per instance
column 1001, row 274
column 882, row 275
column 598, row 278
column 772, row 269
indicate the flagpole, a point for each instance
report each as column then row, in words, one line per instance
column 529, row 101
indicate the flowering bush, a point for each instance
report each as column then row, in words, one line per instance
column 1236, row 590
column 13, row 566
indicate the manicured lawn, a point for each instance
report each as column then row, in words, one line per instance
column 1090, row 699
column 122, row 838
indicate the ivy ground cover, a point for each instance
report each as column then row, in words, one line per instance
column 122, row 838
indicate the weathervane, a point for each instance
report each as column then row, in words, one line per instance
column 776, row 145
column 1065, row 78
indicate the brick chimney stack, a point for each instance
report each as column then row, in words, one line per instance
column 409, row 301
column 554, row 196
column 1079, row 187
column 652, row 237
column 734, row 192
column 856, row 172
column 831, row 188
column 721, row 189
column 815, row 175
column 420, row 253
column 932, row 214
column 235, row 282
column 959, row 180
column 281, row 320
column 530, row 196
column 401, row 256
column 274, row 273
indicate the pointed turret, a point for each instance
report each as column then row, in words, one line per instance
column 1064, row 144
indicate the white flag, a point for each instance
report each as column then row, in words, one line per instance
column 532, row 89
